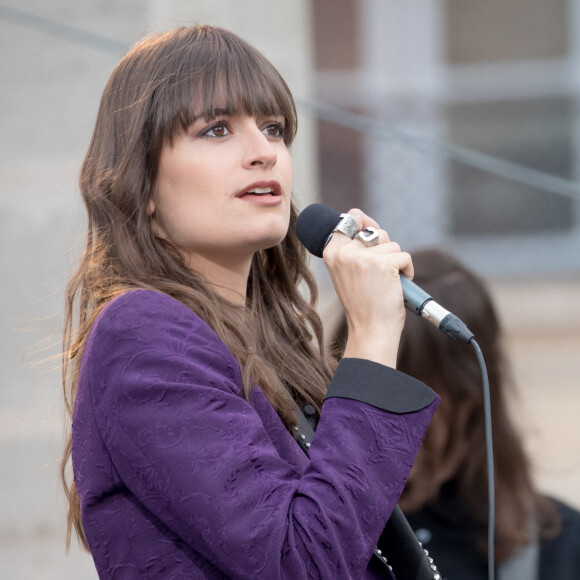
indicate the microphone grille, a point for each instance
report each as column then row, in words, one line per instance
column 313, row 226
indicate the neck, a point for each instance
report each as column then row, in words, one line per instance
column 228, row 279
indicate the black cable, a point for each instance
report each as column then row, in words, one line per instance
column 54, row 28
column 436, row 148
column 490, row 468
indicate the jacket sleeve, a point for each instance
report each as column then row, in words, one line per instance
column 166, row 396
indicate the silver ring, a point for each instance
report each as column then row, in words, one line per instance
column 369, row 237
column 347, row 226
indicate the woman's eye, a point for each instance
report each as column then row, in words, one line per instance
column 274, row 130
column 216, row 130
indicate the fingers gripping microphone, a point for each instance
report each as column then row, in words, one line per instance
column 314, row 228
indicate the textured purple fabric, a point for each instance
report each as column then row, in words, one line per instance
column 180, row 477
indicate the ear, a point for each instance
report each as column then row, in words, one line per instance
column 150, row 207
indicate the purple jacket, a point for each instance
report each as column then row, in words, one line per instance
column 181, row 477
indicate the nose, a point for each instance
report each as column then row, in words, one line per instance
column 259, row 150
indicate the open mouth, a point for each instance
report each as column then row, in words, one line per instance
column 264, row 189
column 261, row 191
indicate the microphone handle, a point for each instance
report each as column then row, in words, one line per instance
column 423, row 305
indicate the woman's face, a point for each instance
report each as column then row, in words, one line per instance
column 223, row 189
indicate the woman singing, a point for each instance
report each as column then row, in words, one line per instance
column 190, row 351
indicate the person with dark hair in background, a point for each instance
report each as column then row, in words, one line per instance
column 190, row 351
column 446, row 496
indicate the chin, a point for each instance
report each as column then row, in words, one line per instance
column 271, row 242
column 274, row 234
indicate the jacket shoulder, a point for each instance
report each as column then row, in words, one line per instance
column 151, row 326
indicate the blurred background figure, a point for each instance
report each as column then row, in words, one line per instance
column 446, row 496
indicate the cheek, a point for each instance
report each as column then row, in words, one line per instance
column 285, row 161
column 179, row 185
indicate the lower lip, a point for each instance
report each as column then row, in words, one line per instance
column 262, row 199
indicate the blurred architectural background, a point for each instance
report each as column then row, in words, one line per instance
column 453, row 122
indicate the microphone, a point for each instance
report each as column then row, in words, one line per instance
column 314, row 228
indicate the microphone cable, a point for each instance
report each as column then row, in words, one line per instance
column 490, row 464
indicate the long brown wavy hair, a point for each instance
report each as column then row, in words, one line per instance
column 453, row 453
column 157, row 90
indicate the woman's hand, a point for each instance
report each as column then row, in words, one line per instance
column 367, row 282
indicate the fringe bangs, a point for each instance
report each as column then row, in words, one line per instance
column 218, row 74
